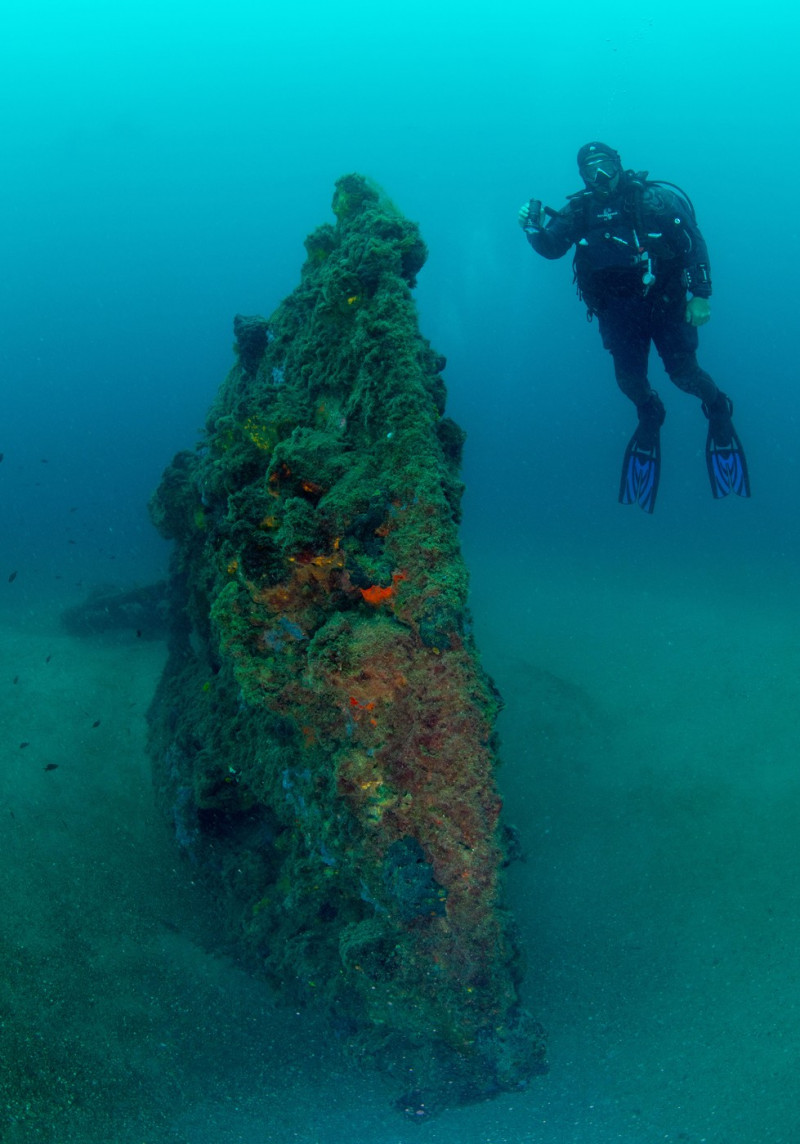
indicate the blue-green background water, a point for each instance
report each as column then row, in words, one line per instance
column 162, row 164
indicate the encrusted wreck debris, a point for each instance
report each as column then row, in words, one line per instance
column 323, row 734
column 109, row 608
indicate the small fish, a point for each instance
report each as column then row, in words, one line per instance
column 48, row 659
column 25, row 743
column 138, row 633
column 2, row 455
column 16, row 679
column 96, row 723
column 12, row 577
column 51, row 766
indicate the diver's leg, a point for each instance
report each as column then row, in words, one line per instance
column 626, row 335
column 685, row 372
column 623, row 328
column 677, row 341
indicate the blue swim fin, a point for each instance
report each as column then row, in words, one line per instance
column 727, row 464
column 641, row 469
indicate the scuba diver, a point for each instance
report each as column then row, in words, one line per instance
column 641, row 265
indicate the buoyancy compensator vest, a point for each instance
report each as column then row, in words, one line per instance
column 614, row 254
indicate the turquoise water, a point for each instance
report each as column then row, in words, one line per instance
column 162, row 167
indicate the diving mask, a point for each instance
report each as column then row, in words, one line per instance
column 599, row 172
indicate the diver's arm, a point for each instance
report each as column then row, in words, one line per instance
column 697, row 271
column 696, row 266
column 550, row 233
column 670, row 215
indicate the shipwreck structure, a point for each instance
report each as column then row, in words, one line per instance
column 323, row 734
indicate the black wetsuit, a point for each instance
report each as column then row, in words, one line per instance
column 640, row 230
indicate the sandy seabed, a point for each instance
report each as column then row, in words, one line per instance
column 651, row 767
